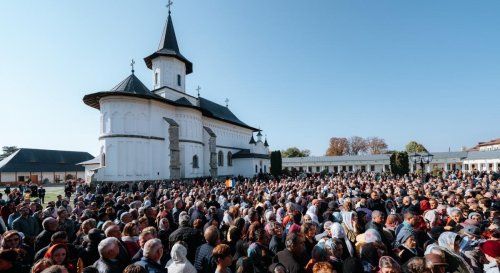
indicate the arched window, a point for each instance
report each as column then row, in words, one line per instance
column 195, row 162
column 221, row 158
column 229, row 159
column 256, row 168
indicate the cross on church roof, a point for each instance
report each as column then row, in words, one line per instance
column 227, row 102
column 132, row 65
column 170, row 3
column 198, row 89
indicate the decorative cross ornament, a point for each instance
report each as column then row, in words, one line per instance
column 170, row 3
column 132, row 65
column 198, row 89
column 227, row 102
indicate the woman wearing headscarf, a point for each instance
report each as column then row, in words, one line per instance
column 449, row 244
column 453, row 223
column 407, row 245
column 59, row 255
column 391, row 223
column 12, row 240
column 350, row 225
column 276, row 244
column 390, row 207
column 179, row 263
column 387, row 264
column 338, row 233
column 335, row 250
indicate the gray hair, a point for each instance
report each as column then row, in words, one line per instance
column 106, row 244
column 124, row 215
column 47, row 221
column 151, row 246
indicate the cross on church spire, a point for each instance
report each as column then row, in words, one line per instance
column 227, row 102
column 198, row 89
column 170, row 3
column 132, row 65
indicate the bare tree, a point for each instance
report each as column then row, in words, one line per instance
column 358, row 145
column 338, row 146
column 376, row 145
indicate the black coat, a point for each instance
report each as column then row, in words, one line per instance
column 151, row 266
column 286, row 258
column 107, row 266
column 190, row 236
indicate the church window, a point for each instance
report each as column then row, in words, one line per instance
column 221, row 158
column 103, row 160
column 178, row 80
column 256, row 168
column 156, row 78
column 229, row 159
column 195, row 162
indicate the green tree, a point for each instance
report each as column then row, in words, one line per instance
column 8, row 150
column 399, row 163
column 295, row 152
column 415, row 147
column 276, row 163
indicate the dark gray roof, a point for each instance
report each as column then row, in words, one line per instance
column 220, row 112
column 252, row 140
column 37, row 160
column 169, row 47
column 132, row 85
column 245, row 153
column 184, row 101
column 265, row 143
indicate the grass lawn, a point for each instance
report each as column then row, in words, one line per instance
column 50, row 193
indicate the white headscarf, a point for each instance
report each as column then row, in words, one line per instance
column 338, row 233
column 179, row 263
column 347, row 219
column 447, row 240
column 311, row 211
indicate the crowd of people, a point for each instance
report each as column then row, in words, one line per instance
column 351, row 222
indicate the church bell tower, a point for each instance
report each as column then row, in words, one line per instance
column 168, row 65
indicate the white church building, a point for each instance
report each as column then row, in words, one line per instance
column 166, row 133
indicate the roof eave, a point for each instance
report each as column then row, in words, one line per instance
column 93, row 100
column 149, row 60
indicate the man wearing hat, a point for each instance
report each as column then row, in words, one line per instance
column 491, row 250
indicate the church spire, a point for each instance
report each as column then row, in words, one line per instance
column 168, row 46
column 168, row 39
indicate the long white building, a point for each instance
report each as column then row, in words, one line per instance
column 446, row 161
column 166, row 133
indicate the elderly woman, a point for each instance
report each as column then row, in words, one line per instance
column 453, row 223
column 338, row 233
column 449, row 245
column 179, row 263
column 407, row 242
column 350, row 225
column 13, row 240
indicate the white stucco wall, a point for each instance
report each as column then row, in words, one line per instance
column 168, row 68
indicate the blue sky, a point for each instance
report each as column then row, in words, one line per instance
column 302, row 71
